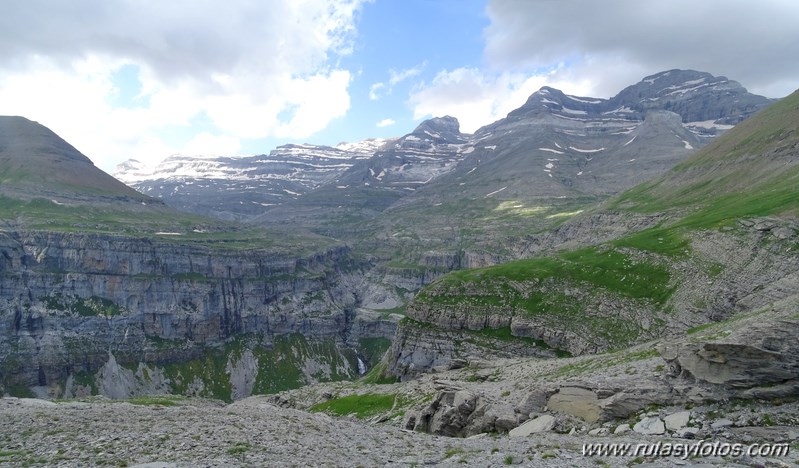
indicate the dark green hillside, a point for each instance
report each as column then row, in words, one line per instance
column 35, row 161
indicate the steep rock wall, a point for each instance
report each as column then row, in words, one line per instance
column 68, row 300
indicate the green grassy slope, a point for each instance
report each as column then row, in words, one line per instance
column 34, row 159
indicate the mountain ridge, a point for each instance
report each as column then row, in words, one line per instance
column 717, row 101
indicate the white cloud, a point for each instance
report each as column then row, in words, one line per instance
column 618, row 42
column 386, row 123
column 251, row 70
column 374, row 91
column 380, row 89
column 206, row 144
column 396, row 77
column 477, row 98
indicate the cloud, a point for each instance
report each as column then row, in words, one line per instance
column 386, row 123
column 206, row 144
column 374, row 91
column 477, row 97
column 618, row 42
column 610, row 45
column 380, row 89
column 252, row 69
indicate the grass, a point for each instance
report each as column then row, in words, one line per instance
column 146, row 222
column 544, row 289
column 362, row 406
column 377, row 376
column 663, row 241
column 239, row 448
column 505, row 334
column 452, row 451
column 606, row 269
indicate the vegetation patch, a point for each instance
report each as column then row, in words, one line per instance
column 362, row 406
column 85, row 307
column 559, row 291
column 663, row 241
column 377, row 375
column 239, row 448
column 505, row 334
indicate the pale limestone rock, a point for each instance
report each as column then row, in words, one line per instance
column 677, row 421
column 622, row 428
column 543, row 423
column 650, row 426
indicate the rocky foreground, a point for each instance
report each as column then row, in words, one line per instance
column 253, row 432
column 732, row 382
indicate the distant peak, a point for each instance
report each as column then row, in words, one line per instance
column 445, row 124
column 549, row 90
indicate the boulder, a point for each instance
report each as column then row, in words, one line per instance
column 543, row 423
column 506, row 418
column 650, row 426
column 677, row 421
column 534, row 401
column 448, row 414
column 622, row 428
column 761, row 354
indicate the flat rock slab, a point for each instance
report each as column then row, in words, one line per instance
column 540, row 424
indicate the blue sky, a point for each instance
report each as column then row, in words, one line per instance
column 145, row 80
column 421, row 37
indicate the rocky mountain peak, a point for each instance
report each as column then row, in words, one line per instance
column 446, row 123
column 439, row 130
column 696, row 96
column 549, row 100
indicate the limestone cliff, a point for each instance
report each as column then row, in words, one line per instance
column 71, row 304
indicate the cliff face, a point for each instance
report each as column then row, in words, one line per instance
column 71, row 304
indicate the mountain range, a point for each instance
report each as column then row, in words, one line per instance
column 564, row 146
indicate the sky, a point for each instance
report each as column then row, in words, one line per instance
column 145, row 79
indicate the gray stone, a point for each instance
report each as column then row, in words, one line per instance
column 746, row 223
column 687, row 432
column 543, row 423
column 622, row 428
column 765, row 225
column 650, row 426
column 677, row 421
column 532, row 402
column 721, row 423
